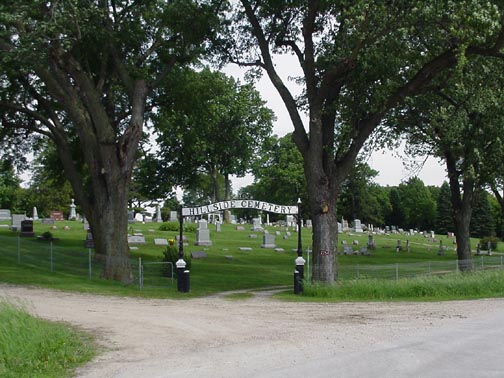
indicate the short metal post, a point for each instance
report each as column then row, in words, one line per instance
column 140, row 278
column 90, row 266
column 297, row 283
column 186, row 282
column 51, row 254
column 181, row 265
column 358, row 272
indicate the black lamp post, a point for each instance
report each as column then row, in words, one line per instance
column 182, row 273
column 300, row 261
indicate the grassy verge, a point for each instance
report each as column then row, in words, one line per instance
column 31, row 347
column 447, row 287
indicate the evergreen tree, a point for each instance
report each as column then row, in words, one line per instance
column 482, row 222
column 444, row 218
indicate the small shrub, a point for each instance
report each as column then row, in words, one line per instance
column 174, row 227
column 494, row 241
column 171, row 254
column 47, row 235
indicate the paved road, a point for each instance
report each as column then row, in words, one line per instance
column 473, row 348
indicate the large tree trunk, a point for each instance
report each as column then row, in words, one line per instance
column 462, row 211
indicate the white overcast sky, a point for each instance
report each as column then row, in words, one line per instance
column 388, row 163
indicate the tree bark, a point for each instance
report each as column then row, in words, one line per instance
column 462, row 211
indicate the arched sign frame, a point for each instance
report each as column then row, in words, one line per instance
column 242, row 204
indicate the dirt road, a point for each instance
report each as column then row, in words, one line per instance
column 216, row 337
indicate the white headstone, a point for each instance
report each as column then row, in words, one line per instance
column 257, row 224
column 136, row 239
column 72, row 215
column 159, row 219
column 35, row 214
column 173, row 216
column 16, row 220
column 268, row 241
column 357, row 225
column 203, row 234
column 5, row 214
column 160, row 241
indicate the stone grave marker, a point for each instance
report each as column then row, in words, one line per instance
column 357, row 225
column 35, row 213
column 240, row 228
column 56, row 215
column 89, row 242
column 198, row 255
column 173, row 216
column 16, row 221
column 136, row 239
column 27, row 228
column 364, row 251
column 347, row 250
column 131, row 217
column 257, row 225
column 47, row 221
column 268, row 241
column 5, row 214
column 252, row 236
column 309, row 223
column 72, row 215
column 203, row 234
column 160, row 241
column 217, row 227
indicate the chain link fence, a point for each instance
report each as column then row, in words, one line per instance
column 57, row 258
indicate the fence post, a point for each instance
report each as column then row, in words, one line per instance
column 19, row 250
column 90, row 266
column 51, row 254
column 140, row 278
column 358, row 273
column 397, row 272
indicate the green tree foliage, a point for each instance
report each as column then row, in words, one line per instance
column 444, row 217
column 359, row 61
column 482, row 220
column 85, row 74
column 362, row 199
column 209, row 123
column 9, row 185
column 461, row 122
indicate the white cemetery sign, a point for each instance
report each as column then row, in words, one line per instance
column 239, row 204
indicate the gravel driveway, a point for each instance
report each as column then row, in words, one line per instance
column 217, row 337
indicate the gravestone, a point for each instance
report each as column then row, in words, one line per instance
column 398, row 246
column 217, row 227
column 340, row 228
column 257, row 224
column 347, row 250
column 440, row 249
column 478, row 249
column 35, row 214
column 177, row 238
column 198, row 255
column 268, row 241
column 159, row 218
column 131, row 216
column 72, row 215
column 16, row 221
column 371, row 242
column 357, row 225
column 173, row 216
column 240, row 228
column 278, row 233
column 161, row 241
column 89, row 242
column 5, row 214
column 56, row 215
column 136, row 239
column 252, row 236
column 290, row 221
column 364, row 251
column 27, row 229
column 47, row 221
column 203, row 234
column 309, row 223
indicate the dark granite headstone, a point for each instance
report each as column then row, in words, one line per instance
column 27, row 229
column 89, row 242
